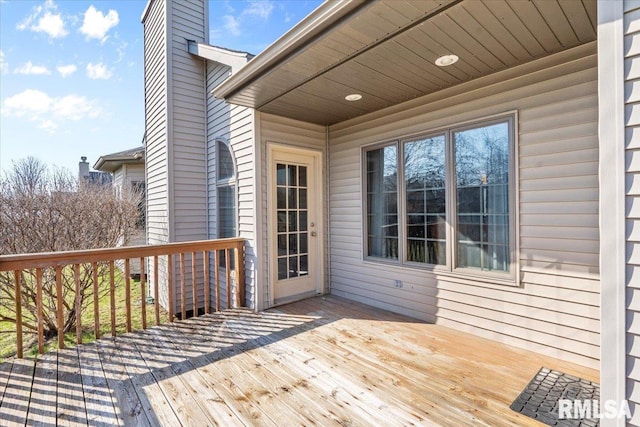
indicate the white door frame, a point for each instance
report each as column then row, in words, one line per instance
column 273, row 149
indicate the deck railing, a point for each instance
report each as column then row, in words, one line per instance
column 105, row 263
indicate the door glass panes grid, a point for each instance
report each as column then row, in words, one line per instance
column 292, row 221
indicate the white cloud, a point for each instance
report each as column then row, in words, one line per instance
column 4, row 65
column 32, row 70
column 232, row 25
column 98, row 71
column 45, row 19
column 66, row 70
column 96, row 25
column 260, row 8
column 36, row 106
column 74, row 107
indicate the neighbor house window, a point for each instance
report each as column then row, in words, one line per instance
column 445, row 199
column 226, row 192
column 139, row 189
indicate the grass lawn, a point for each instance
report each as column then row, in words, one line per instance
column 8, row 340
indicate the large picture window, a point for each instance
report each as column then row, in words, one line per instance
column 445, row 199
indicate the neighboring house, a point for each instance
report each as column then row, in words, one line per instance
column 128, row 171
column 473, row 164
column 93, row 177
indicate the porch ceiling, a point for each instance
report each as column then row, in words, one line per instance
column 386, row 51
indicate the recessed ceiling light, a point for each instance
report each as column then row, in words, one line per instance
column 445, row 60
column 353, row 97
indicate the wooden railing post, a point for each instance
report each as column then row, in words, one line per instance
column 240, row 277
column 143, row 292
column 39, row 316
column 183, row 288
column 112, row 297
column 194, row 283
column 96, row 305
column 207, row 285
column 171, row 288
column 77, row 303
column 127, row 293
column 227, row 260
column 18, row 296
column 59, row 307
column 156, row 285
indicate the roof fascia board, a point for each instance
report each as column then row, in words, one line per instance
column 146, row 10
column 326, row 15
column 235, row 60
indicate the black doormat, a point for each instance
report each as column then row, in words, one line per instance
column 540, row 399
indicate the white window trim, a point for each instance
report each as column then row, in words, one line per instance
column 511, row 278
column 232, row 180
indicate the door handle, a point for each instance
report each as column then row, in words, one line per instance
column 313, row 233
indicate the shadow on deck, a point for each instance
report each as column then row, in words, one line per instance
column 323, row 361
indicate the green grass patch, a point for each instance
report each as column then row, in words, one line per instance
column 8, row 340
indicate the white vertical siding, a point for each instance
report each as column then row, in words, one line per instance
column 555, row 311
column 157, row 149
column 235, row 125
column 276, row 129
column 632, row 192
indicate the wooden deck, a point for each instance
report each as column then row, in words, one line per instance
column 324, row 361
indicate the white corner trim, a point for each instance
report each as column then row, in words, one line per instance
column 611, row 134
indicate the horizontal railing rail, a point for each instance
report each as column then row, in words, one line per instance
column 27, row 273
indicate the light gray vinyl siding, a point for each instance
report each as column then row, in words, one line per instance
column 632, row 155
column 236, row 126
column 157, row 149
column 187, row 132
column 555, row 310
column 175, row 128
column 280, row 130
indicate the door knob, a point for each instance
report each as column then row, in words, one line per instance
column 313, row 233
column 313, row 224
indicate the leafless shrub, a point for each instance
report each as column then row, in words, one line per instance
column 44, row 210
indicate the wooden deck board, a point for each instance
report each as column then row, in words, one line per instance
column 324, row 361
column 14, row 406
column 98, row 402
column 43, row 404
column 71, row 404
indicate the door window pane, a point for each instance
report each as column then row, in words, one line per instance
column 425, row 181
column 482, row 197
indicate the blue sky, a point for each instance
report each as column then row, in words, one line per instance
column 71, row 71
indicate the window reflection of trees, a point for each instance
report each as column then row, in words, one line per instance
column 479, row 183
column 425, row 178
column 482, row 197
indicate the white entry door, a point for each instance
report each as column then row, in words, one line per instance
column 295, row 223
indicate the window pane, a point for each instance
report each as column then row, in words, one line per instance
column 225, row 161
column 482, row 191
column 382, row 206
column 425, row 178
column 226, row 211
column 302, row 176
column 282, row 268
column 281, row 175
